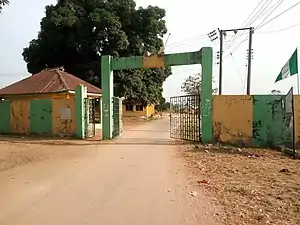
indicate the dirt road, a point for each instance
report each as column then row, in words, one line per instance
column 135, row 180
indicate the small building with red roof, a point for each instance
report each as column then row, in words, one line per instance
column 48, row 82
column 43, row 103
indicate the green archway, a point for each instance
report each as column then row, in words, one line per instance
column 203, row 57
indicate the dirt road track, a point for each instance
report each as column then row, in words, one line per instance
column 135, row 180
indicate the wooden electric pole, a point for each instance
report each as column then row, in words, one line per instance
column 221, row 61
column 222, row 33
column 251, row 30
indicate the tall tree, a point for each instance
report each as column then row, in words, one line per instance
column 75, row 34
column 192, row 85
column 3, row 3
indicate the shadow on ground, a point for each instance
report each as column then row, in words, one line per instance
column 92, row 141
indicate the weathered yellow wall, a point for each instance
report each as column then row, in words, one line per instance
column 20, row 112
column 153, row 61
column 133, row 113
column 297, row 118
column 62, row 126
column 20, row 116
column 37, row 96
column 150, row 110
column 232, row 118
column 147, row 112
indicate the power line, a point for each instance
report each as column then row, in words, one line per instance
column 246, row 22
column 197, row 37
column 278, row 15
column 278, row 4
column 279, row 30
column 237, row 70
column 252, row 20
column 195, row 43
column 253, row 11
column 213, row 37
column 266, row 32
column 234, row 49
column 192, row 70
column 260, row 12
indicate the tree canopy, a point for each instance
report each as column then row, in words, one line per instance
column 3, row 3
column 192, row 85
column 165, row 106
column 75, row 34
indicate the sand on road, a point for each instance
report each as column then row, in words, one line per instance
column 137, row 179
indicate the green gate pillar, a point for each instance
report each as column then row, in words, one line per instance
column 80, row 94
column 100, row 111
column 107, row 94
column 204, row 57
column 206, row 95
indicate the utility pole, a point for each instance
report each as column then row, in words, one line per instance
column 251, row 30
column 221, row 61
column 213, row 36
column 222, row 33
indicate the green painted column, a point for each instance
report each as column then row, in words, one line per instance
column 268, row 121
column 5, row 126
column 100, row 105
column 107, row 94
column 41, row 116
column 206, row 95
column 79, row 111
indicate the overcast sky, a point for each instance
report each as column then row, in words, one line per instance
column 188, row 22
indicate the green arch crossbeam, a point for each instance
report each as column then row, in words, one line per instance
column 203, row 57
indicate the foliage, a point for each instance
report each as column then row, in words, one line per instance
column 192, row 85
column 165, row 106
column 75, row 34
column 3, row 3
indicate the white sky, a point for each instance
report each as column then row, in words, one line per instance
column 188, row 22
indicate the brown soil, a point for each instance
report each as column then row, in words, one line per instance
column 254, row 186
column 19, row 150
column 135, row 179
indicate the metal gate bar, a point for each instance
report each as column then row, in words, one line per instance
column 117, row 117
column 89, row 118
column 92, row 120
column 185, row 118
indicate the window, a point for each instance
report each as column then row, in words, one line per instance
column 129, row 107
column 139, row 108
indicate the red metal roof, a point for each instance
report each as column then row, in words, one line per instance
column 48, row 81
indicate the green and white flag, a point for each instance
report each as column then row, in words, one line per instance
column 290, row 68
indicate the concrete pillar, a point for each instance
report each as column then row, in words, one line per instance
column 107, row 94
column 206, row 95
column 80, row 95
